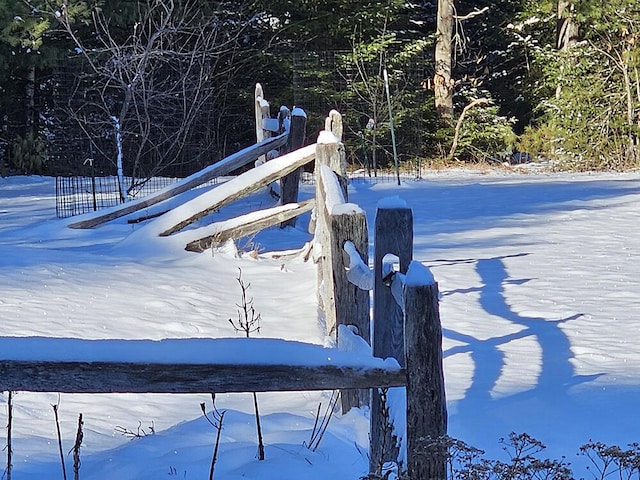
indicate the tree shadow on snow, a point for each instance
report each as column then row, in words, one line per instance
column 549, row 401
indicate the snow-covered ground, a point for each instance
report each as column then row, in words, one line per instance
column 539, row 276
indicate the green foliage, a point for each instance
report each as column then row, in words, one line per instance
column 586, row 98
column 485, row 135
column 27, row 154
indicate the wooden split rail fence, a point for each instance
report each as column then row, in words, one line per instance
column 406, row 320
column 406, row 324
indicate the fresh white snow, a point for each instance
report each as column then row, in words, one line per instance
column 538, row 276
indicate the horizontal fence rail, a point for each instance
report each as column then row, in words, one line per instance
column 192, row 365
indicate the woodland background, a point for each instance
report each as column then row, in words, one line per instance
column 470, row 81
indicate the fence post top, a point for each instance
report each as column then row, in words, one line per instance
column 333, row 123
column 392, row 203
column 419, row 275
column 326, row 137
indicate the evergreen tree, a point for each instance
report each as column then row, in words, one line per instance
column 30, row 45
column 587, row 96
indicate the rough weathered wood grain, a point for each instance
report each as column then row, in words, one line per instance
column 223, row 167
column 290, row 185
column 393, row 235
column 246, row 183
column 101, row 377
column 352, row 304
column 269, row 218
column 426, row 400
column 324, row 153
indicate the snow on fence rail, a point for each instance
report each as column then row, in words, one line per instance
column 66, row 365
column 223, row 167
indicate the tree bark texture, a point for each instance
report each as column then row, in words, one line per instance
column 443, row 81
column 567, row 28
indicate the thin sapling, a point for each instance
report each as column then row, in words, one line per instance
column 249, row 322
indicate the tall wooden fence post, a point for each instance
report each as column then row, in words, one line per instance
column 289, row 185
column 337, row 222
column 262, row 111
column 327, row 153
column 393, row 235
column 426, row 399
column 324, row 151
column 338, row 163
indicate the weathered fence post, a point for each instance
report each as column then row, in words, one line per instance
column 352, row 304
column 393, row 235
column 342, row 302
column 262, row 112
column 338, row 163
column 326, row 149
column 426, row 399
column 327, row 153
column 289, row 185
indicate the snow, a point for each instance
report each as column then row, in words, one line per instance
column 358, row 273
column 298, row 112
column 213, row 196
column 538, row 276
column 186, row 351
column 418, row 275
column 392, row 202
column 325, row 137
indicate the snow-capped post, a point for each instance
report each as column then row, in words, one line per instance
column 339, row 223
column 333, row 124
column 327, row 151
column 426, row 400
column 262, row 112
column 393, row 235
column 352, row 303
column 289, row 185
column 347, row 223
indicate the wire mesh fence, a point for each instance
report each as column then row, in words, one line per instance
column 77, row 195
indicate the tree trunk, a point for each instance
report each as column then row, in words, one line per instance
column 567, row 28
column 31, row 102
column 566, row 33
column 443, row 83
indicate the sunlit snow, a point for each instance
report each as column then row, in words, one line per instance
column 539, row 285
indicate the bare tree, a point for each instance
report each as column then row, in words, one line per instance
column 147, row 91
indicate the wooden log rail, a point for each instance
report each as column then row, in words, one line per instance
column 223, row 167
column 184, row 366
